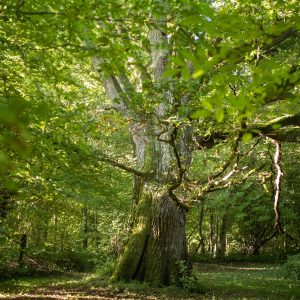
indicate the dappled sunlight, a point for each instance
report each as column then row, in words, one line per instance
column 231, row 267
column 251, row 280
column 217, row 281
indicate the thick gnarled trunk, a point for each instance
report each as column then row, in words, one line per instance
column 166, row 246
column 157, row 244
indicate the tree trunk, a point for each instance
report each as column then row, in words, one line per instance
column 201, row 247
column 96, row 232
column 157, row 244
column 213, row 233
column 85, row 226
column 23, row 245
column 221, row 248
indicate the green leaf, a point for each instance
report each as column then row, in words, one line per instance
column 185, row 73
column 246, row 137
column 197, row 74
column 219, row 115
column 206, row 104
column 178, row 60
column 170, row 73
column 190, row 20
column 276, row 126
column 200, row 113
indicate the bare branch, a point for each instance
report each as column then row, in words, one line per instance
column 277, row 182
column 105, row 159
column 181, row 170
column 278, row 228
column 233, row 156
column 220, row 185
column 41, row 12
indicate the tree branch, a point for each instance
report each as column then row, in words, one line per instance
column 181, row 171
column 225, row 182
column 233, row 156
column 267, row 129
column 41, row 12
column 277, row 182
column 123, row 167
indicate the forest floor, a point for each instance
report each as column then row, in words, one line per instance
column 217, row 281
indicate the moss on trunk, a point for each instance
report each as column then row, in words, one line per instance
column 134, row 249
column 157, row 242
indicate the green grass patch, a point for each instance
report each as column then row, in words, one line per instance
column 246, row 280
column 218, row 281
column 86, row 286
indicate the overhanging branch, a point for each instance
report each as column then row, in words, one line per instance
column 289, row 131
column 234, row 156
column 105, row 159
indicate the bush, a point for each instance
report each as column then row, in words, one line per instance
column 106, row 267
column 188, row 279
column 66, row 260
column 265, row 258
column 202, row 258
column 291, row 269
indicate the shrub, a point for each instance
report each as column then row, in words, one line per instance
column 188, row 279
column 291, row 269
column 106, row 267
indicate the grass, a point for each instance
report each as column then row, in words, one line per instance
column 84, row 286
column 217, row 281
column 246, row 281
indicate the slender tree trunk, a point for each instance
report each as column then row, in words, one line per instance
column 96, row 232
column 23, row 245
column 216, row 235
column 200, row 228
column 221, row 249
column 213, row 234
column 55, row 219
column 85, row 225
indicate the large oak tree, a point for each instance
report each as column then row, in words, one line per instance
column 184, row 76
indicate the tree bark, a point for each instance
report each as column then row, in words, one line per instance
column 85, row 226
column 157, row 243
column 201, row 247
column 96, row 232
column 221, row 247
column 213, row 234
column 23, row 245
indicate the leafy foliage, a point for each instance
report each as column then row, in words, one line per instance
column 291, row 269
